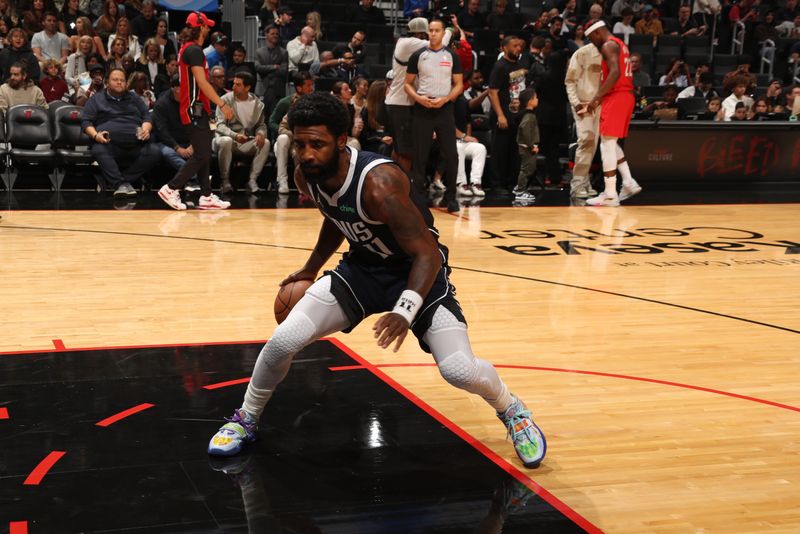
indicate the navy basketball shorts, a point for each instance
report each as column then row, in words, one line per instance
column 363, row 289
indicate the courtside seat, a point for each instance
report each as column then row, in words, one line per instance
column 28, row 127
column 68, row 139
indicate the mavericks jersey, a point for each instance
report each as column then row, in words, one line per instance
column 369, row 240
column 625, row 81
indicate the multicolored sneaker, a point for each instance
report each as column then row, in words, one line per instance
column 528, row 440
column 229, row 439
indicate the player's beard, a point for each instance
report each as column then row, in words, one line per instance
column 319, row 173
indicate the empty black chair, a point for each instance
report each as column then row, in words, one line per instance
column 28, row 126
column 692, row 106
column 68, row 137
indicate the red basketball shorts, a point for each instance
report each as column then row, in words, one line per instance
column 615, row 114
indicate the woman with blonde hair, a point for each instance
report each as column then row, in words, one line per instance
column 124, row 32
column 268, row 14
column 84, row 28
column 117, row 53
column 77, row 62
column 151, row 62
column 107, row 22
column 314, row 20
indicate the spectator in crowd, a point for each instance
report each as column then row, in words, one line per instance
column 342, row 91
column 366, row 13
column 702, row 88
column 742, row 72
column 704, row 11
column 314, row 21
column 760, row 109
column 97, row 75
column 471, row 18
column 640, row 77
column 151, row 63
column 119, row 124
column 360, row 90
column 789, row 29
column 163, row 40
column 533, row 60
column 578, row 40
column 374, row 136
column 139, row 85
column 33, row 18
column 415, row 8
column 468, row 148
column 667, row 108
column 328, row 66
column 740, row 112
column 218, row 55
column 570, row 17
column 745, row 11
column 506, row 83
column 774, row 95
column 347, row 69
column 268, row 12
column 477, row 94
column 9, row 12
column 303, row 85
column 52, row 83
column 20, row 89
column 789, row 11
column 460, row 46
column 554, row 34
column 50, row 43
column 538, row 26
column 595, row 11
column 117, row 53
column 355, row 46
column 174, row 143
column 501, row 19
column 287, row 28
column 398, row 102
column 619, row 6
column 216, row 77
column 238, row 63
column 244, row 134
column 433, row 81
column 144, row 26
column 303, row 50
column 107, row 23
column 18, row 51
column 83, row 27
column 68, row 17
column 793, row 100
column 714, row 108
column 625, row 27
column 76, row 62
column 582, row 82
column 676, row 73
column 766, row 29
column 685, row 25
column 550, row 118
column 123, row 32
column 272, row 65
column 649, row 24
column 527, row 144
column 738, row 95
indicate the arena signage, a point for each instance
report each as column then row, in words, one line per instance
column 639, row 241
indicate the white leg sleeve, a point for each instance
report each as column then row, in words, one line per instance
column 447, row 338
column 608, row 151
column 316, row 315
column 282, row 145
column 624, row 169
column 461, row 175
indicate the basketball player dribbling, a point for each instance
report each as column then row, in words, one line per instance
column 395, row 265
column 616, row 96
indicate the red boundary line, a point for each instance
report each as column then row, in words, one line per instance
column 18, row 527
column 108, row 421
column 3, row 413
column 59, row 345
column 596, row 373
column 219, row 385
column 44, row 466
column 483, row 449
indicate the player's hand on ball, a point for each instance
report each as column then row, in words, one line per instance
column 390, row 327
column 302, row 274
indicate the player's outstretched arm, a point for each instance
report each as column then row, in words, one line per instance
column 386, row 199
column 328, row 242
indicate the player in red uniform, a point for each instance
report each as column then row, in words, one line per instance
column 616, row 96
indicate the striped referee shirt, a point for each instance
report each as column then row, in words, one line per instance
column 434, row 70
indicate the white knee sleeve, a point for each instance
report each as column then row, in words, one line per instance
column 608, row 151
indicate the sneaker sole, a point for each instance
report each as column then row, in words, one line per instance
column 212, row 208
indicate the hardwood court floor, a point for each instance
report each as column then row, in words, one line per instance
column 657, row 346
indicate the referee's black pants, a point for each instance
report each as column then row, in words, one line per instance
column 200, row 137
column 425, row 122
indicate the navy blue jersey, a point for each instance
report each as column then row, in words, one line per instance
column 370, row 240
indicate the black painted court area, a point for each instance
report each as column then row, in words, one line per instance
column 339, row 451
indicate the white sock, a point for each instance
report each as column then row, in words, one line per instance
column 611, row 186
column 255, row 400
column 625, row 172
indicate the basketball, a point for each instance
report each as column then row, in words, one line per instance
column 288, row 296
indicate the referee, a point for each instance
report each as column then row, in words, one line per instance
column 434, row 81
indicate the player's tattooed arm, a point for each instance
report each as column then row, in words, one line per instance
column 386, row 199
column 610, row 52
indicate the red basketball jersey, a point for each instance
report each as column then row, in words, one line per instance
column 191, row 55
column 625, row 80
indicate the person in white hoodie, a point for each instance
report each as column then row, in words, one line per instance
column 398, row 103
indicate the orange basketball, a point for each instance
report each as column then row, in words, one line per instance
column 288, row 296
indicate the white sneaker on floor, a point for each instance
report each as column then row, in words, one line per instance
column 437, row 185
column 283, row 187
column 213, row 202
column 252, row 187
column 477, row 190
column 464, row 190
column 172, row 197
column 603, row 200
column 629, row 190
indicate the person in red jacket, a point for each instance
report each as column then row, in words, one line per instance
column 52, row 83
